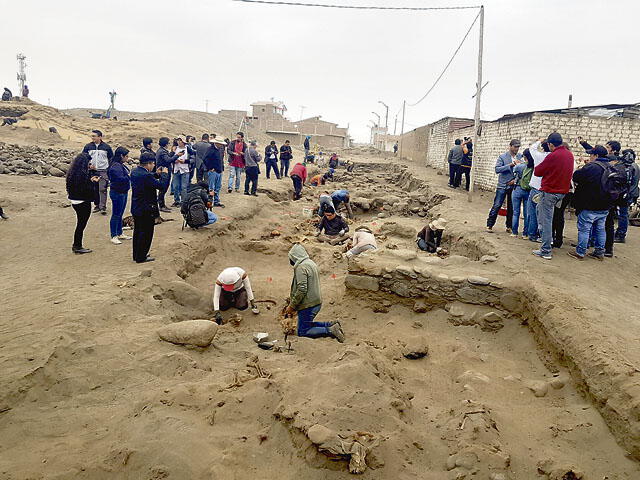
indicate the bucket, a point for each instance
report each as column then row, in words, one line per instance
column 502, row 212
column 307, row 213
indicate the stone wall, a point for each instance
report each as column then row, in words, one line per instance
column 18, row 160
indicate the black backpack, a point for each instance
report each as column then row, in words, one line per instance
column 194, row 211
column 615, row 180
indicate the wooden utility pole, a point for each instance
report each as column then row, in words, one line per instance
column 404, row 106
column 476, row 118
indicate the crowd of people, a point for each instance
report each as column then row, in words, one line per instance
column 545, row 180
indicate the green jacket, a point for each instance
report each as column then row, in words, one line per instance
column 305, row 286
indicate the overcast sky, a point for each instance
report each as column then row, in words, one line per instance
column 161, row 54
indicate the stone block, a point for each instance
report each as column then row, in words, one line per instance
column 360, row 282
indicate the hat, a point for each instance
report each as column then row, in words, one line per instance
column 438, row 224
column 514, row 143
column 555, row 139
column 364, row 228
column 228, row 278
column 598, row 150
column 253, row 143
column 219, row 142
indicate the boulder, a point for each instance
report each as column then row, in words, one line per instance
column 420, row 306
column 184, row 294
column 360, row 282
column 56, row 172
column 488, row 258
column 476, row 280
column 538, row 387
column 415, row 349
column 199, row 333
column 492, row 321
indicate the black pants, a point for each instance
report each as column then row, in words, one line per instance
column 163, row 191
column 143, row 226
column 272, row 164
column 251, row 179
column 297, row 187
column 466, row 171
column 284, row 167
column 453, row 173
column 609, row 229
column 83, row 212
column 237, row 299
column 201, row 175
column 558, row 220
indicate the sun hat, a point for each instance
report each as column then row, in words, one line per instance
column 438, row 224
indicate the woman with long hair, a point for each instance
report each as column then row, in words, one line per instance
column 522, row 173
column 81, row 192
column 120, row 182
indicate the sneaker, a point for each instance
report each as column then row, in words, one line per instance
column 247, row 193
column 608, row 254
column 576, row 255
column 619, row 240
column 336, row 331
column 229, row 190
column 508, row 230
column 514, row 235
column 103, row 211
column 254, row 194
column 489, row 229
column 148, row 259
column 124, row 237
column 218, row 205
column 165, row 210
column 596, row 256
column 4, row 216
column 116, row 241
column 80, row 250
column 538, row 253
column 96, row 210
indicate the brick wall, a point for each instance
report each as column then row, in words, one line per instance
column 415, row 144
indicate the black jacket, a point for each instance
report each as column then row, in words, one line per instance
column 144, row 198
column 333, row 227
column 196, row 190
column 268, row 151
column 119, row 180
column 165, row 158
column 588, row 194
column 285, row 152
column 432, row 238
column 146, row 150
column 213, row 160
column 306, row 143
column 83, row 188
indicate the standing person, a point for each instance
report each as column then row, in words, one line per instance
column 181, row 169
column 165, row 160
column 363, row 240
column 306, row 299
column 120, row 182
column 202, row 148
column 251, row 160
column 628, row 159
column 101, row 155
column 25, row 91
column 81, row 192
column 455, row 159
column 592, row 204
column 299, row 178
column 144, row 205
column 306, row 147
column 522, row 173
column 465, row 164
column 285, row 157
column 236, row 151
column 334, row 226
column 232, row 290
column 506, row 181
column 271, row 159
column 395, row 148
column 146, row 145
column 214, row 166
column 556, row 171
column 430, row 237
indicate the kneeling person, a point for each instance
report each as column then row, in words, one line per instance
column 196, row 207
column 232, row 290
column 430, row 236
column 334, row 226
column 363, row 240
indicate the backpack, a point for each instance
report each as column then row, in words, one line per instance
column 525, row 179
column 194, row 211
column 614, row 181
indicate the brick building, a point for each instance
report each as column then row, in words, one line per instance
column 597, row 124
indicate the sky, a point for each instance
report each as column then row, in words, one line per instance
column 161, row 54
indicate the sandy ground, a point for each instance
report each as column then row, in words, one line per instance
column 89, row 391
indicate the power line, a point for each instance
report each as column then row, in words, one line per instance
column 354, row 7
column 448, row 64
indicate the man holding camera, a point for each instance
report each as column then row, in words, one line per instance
column 506, row 182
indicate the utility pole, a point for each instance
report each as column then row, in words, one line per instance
column 404, row 106
column 302, row 107
column 206, row 106
column 386, row 116
column 570, row 101
column 476, row 118
column 22, row 76
column 395, row 126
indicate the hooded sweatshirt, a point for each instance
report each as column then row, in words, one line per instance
column 305, row 286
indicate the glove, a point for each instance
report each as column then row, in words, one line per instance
column 218, row 318
column 341, row 233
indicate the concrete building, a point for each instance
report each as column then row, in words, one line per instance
column 430, row 144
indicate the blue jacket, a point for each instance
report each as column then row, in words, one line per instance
column 340, row 196
column 144, row 198
column 213, row 160
column 504, row 169
column 119, row 177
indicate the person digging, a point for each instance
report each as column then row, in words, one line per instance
column 232, row 290
column 334, row 226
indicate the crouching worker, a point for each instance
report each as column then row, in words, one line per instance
column 196, row 208
column 306, row 299
column 338, row 198
column 363, row 240
column 232, row 290
column 334, row 226
column 430, row 236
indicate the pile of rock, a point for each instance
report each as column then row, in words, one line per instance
column 34, row 160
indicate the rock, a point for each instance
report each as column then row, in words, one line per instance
column 361, row 282
column 538, row 387
column 383, row 215
column 320, row 434
column 475, row 280
column 191, row 332
column 510, row 301
column 420, row 306
column 184, row 294
column 557, row 383
column 415, row 349
column 472, row 295
column 492, row 321
column 471, row 376
column 146, row 272
column 497, row 476
column 56, row 172
column 488, row 259
column 406, row 270
column 393, row 228
column 405, row 254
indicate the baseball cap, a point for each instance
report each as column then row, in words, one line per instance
column 555, row 139
column 598, row 150
column 228, row 278
column 514, row 143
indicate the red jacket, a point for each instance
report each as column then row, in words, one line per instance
column 301, row 171
column 556, row 171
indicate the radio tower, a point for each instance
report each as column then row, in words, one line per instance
column 22, row 76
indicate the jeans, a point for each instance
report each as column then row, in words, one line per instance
column 453, row 174
column 143, row 226
column 533, row 232
column 308, row 328
column 586, row 220
column 83, row 212
column 545, row 218
column 213, row 218
column 284, row 167
column 623, row 221
column 297, row 187
column 251, row 179
column 180, row 184
column 118, row 205
column 215, row 184
column 272, row 164
column 501, row 194
column 235, row 172
column 519, row 197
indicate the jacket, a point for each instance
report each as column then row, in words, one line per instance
column 195, row 190
column 556, row 171
column 299, row 170
column 100, row 154
column 83, row 190
column 504, row 169
column 144, row 198
column 305, row 286
column 333, row 227
column 340, row 196
column 588, row 194
column 306, row 143
column 213, row 160
column 252, row 158
column 455, row 155
column 285, row 152
column 634, row 190
column 432, row 238
column 271, row 150
column 234, row 160
column 146, row 150
column 165, row 158
column 201, row 149
column 119, row 180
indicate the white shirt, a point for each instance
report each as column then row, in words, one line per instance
column 181, row 167
column 538, row 157
column 237, row 286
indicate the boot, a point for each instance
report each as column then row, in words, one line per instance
column 80, row 250
column 336, row 331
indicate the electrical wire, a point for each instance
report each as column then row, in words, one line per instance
column 354, row 7
column 448, row 64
